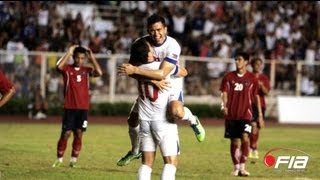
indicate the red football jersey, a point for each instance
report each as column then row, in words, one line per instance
column 5, row 84
column 76, row 87
column 241, row 91
column 266, row 83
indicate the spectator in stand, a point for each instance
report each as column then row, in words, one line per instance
column 39, row 105
column 291, row 22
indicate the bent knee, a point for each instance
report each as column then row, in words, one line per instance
column 177, row 113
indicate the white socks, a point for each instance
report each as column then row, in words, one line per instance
column 237, row 167
column 189, row 116
column 242, row 166
column 73, row 159
column 144, row 172
column 134, row 137
column 168, row 172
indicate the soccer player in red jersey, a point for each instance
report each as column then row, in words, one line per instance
column 264, row 88
column 7, row 90
column 76, row 99
column 238, row 91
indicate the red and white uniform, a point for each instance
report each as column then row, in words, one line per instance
column 241, row 91
column 154, row 128
column 170, row 51
column 76, row 90
column 151, row 102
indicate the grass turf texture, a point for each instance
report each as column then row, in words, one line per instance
column 27, row 151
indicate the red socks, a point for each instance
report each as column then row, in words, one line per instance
column 76, row 146
column 61, row 147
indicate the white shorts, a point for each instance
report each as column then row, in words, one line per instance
column 176, row 93
column 162, row 133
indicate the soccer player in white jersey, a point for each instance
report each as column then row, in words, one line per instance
column 167, row 51
column 155, row 129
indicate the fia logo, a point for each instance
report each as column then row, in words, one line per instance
column 297, row 160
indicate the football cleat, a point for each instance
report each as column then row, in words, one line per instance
column 125, row 160
column 244, row 173
column 255, row 154
column 73, row 164
column 198, row 130
column 236, row 172
column 57, row 163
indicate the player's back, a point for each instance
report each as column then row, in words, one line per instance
column 152, row 102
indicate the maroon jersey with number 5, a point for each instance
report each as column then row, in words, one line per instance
column 76, row 87
column 241, row 91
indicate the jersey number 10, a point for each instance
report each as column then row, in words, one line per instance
column 147, row 90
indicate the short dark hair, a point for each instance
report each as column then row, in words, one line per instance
column 139, row 52
column 154, row 19
column 79, row 49
column 244, row 55
column 255, row 59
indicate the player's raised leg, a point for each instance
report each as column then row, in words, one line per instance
column 178, row 111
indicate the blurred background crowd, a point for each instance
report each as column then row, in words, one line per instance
column 286, row 31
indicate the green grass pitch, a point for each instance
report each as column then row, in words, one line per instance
column 27, row 151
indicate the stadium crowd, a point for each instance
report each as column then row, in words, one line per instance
column 275, row 30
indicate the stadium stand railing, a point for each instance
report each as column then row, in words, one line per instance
column 30, row 69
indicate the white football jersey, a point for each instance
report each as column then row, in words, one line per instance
column 170, row 51
column 152, row 103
